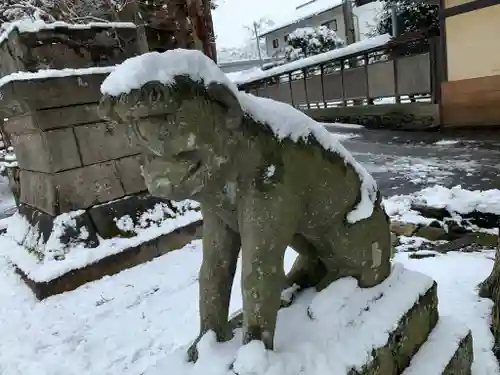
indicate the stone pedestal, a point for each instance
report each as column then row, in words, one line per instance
column 73, row 166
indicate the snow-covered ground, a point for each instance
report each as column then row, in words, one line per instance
column 131, row 322
column 126, row 323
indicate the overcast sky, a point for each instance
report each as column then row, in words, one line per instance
column 232, row 15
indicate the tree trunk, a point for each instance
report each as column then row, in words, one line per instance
column 173, row 24
column 490, row 288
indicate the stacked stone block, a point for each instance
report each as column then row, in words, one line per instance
column 69, row 158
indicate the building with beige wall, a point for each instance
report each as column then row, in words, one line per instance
column 471, row 90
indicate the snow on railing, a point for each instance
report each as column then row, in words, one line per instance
column 352, row 49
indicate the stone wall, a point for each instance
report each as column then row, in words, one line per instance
column 62, row 46
column 71, row 162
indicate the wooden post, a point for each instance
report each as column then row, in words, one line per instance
column 323, row 84
column 304, row 72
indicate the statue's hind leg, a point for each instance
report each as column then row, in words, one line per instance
column 362, row 250
column 307, row 270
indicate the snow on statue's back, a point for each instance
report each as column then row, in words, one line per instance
column 284, row 120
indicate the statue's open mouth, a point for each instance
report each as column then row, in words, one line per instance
column 193, row 169
column 194, row 158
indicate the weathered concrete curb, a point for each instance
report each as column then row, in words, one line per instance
column 461, row 362
column 408, row 116
column 406, row 339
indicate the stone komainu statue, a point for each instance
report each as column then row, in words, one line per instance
column 267, row 177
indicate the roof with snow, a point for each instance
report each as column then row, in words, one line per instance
column 304, row 11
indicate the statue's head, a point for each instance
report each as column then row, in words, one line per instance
column 185, row 130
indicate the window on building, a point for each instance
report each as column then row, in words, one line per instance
column 286, row 38
column 332, row 25
column 276, row 43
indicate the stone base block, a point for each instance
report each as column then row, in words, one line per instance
column 409, row 335
column 372, row 331
column 448, row 351
column 66, row 229
column 115, row 263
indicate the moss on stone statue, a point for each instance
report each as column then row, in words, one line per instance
column 258, row 193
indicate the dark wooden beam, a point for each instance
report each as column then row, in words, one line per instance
column 469, row 7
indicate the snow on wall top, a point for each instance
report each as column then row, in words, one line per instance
column 53, row 73
column 302, row 12
column 33, row 26
column 284, row 120
column 338, row 53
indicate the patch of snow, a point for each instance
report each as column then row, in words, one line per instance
column 243, row 75
column 433, row 357
column 339, row 125
column 284, row 120
column 312, row 41
column 45, row 267
column 319, row 344
column 446, row 142
column 417, row 170
column 33, row 26
column 54, row 73
column 10, row 157
column 54, row 248
column 456, row 200
column 270, row 171
column 345, row 136
column 398, row 207
column 288, row 293
column 125, row 223
column 412, row 243
column 338, row 53
column 136, row 71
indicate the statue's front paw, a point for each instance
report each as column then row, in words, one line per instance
column 289, row 295
column 192, row 352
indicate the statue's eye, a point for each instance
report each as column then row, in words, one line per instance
column 164, row 133
column 144, row 132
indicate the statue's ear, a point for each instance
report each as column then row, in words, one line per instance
column 106, row 111
column 227, row 99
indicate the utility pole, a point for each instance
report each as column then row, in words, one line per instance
column 350, row 32
column 394, row 19
column 257, row 40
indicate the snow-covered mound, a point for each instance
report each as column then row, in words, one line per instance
column 321, row 333
column 455, row 200
column 284, row 120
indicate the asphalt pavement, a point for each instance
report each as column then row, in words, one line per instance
column 404, row 162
